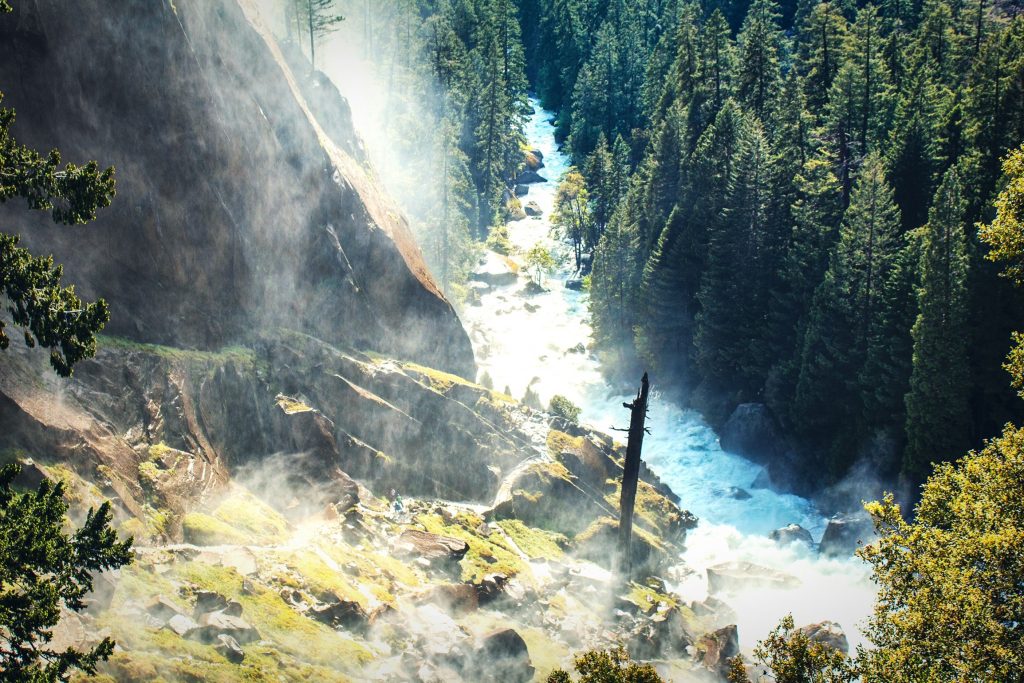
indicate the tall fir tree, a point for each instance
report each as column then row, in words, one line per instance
column 938, row 414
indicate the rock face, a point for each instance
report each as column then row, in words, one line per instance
column 242, row 193
column 845, row 533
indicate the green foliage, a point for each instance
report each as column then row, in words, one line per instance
column 560, row 406
column 539, row 262
column 950, row 606
column 607, row 666
column 938, row 415
column 792, row 657
column 1005, row 234
column 571, row 218
column 43, row 569
column 50, row 315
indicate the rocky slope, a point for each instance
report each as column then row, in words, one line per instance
column 244, row 198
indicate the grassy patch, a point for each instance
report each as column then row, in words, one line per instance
column 202, row 529
column 559, row 442
column 652, row 509
column 240, row 354
column 489, row 554
column 536, row 543
column 278, row 622
column 254, row 518
column 290, row 405
column 647, row 598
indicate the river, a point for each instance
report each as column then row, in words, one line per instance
column 520, row 346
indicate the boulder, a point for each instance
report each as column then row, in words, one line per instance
column 457, row 598
column 533, row 209
column 715, row 649
column 751, row 431
column 503, row 656
column 522, row 190
column 714, row 610
column 741, row 575
column 494, row 270
column 792, row 533
column 435, row 549
column 579, row 348
column 574, row 284
column 181, row 624
column 340, row 614
column 229, row 648
column 845, row 533
column 828, row 633
column 103, row 586
column 528, row 176
column 163, row 609
column 490, row 587
column 215, row 624
column 736, row 493
column 208, row 601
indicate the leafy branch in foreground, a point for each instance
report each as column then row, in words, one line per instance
column 42, row 568
column 50, row 315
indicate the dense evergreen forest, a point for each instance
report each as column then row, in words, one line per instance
column 799, row 227
column 781, row 197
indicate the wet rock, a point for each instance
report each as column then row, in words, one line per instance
column 215, row 624
column 715, row 649
column 528, row 176
column 495, row 270
column 736, row 493
column 740, row 575
column 457, row 598
column 575, row 284
column 664, row 634
column 828, row 633
column 208, row 601
column 533, row 209
column 229, row 648
column 340, row 614
column 435, row 549
column 751, row 431
column 522, row 190
column 491, row 587
column 181, row 624
column 792, row 533
column 845, row 533
column 163, row 609
column 503, row 657
column 103, row 586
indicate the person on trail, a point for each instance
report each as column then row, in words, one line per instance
column 399, row 507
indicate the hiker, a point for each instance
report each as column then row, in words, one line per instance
column 399, row 507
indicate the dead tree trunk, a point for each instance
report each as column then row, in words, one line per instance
column 630, row 474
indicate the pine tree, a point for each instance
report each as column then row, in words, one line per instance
column 730, row 327
column 823, row 36
column 938, row 416
column 759, row 78
column 846, row 321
